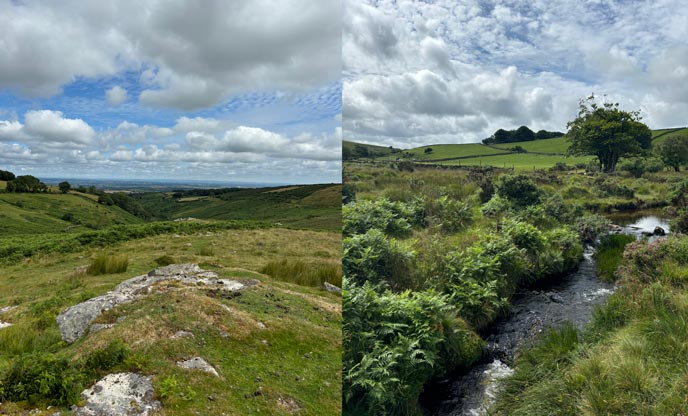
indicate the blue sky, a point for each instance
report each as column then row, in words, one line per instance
column 245, row 91
column 444, row 71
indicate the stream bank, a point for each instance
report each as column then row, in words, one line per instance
column 535, row 309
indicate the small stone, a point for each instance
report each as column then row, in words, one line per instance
column 556, row 298
column 182, row 334
column 332, row 288
column 262, row 325
column 211, row 398
column 198, row 363
column 307, row 355
column 659, row 231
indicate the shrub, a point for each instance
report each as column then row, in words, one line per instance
column 452, row 215
column 41, row 377
column 637, row 166
column 394, row 343
column 518, row 189
column 108, row 264
column 394, row 218
column 372, row 257
column 591, row 226
column 100, row 361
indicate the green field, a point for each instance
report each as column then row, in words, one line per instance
column 477, row 154
column 308, row 206
column 373, row 150
column 444, row 151
column 658, row 136
column 556, row 145
column 519, row 161
column 40, row 213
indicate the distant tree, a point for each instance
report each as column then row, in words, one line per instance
column 346, row 153
column 105, row 199
column 523, row 134
column 544, row 134
column 64, row 187
column 92, row 190
column 673, row 151
column 502, row 136
column 6, row 175
column 26, row 183
column 607, row 132
column 428, row 150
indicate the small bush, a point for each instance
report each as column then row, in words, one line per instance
column 375, row 258
column 41, row 377
column 101, row 361
column 108, row 264
column 590, row 227
column 165, row 260
column 518, row 189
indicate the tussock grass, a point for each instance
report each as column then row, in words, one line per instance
column 108, row 264
column 304, row 273
column 610, row 253
column 165, row 260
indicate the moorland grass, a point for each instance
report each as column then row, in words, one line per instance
column 303, row 273
column 294, row 356
column 108, row 264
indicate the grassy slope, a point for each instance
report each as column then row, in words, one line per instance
column 443, row 151
column 475, row 152
column 37, row 213
column 378, row 150
column 310, row 206
column 556, row 145
column 302, row 357
column 521, row 161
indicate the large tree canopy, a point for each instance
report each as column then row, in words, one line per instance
column 607, row 132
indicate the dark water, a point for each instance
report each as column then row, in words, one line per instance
column 534, row 310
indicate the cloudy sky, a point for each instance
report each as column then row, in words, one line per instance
column 446, row 71
column 241, row 90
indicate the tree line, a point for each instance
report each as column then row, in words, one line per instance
column 521, row 134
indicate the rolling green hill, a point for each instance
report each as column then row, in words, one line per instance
column 49, row 213
column 556, row 145
column 499, row 155
column 309, row 206
column 371, row 150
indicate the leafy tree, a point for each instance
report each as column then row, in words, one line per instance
column 673, row 151
column 523, row 134
column 6, row 175
column 428, row 150
column 607, row 132
column 26, row 183
column 64, row 187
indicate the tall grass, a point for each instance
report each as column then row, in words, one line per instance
column 303, row 273
column 108, row 264
column 610, row 253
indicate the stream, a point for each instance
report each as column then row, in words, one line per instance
column 535, row 309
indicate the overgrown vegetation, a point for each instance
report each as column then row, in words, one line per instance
column 632, row 356
column 453, row 245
